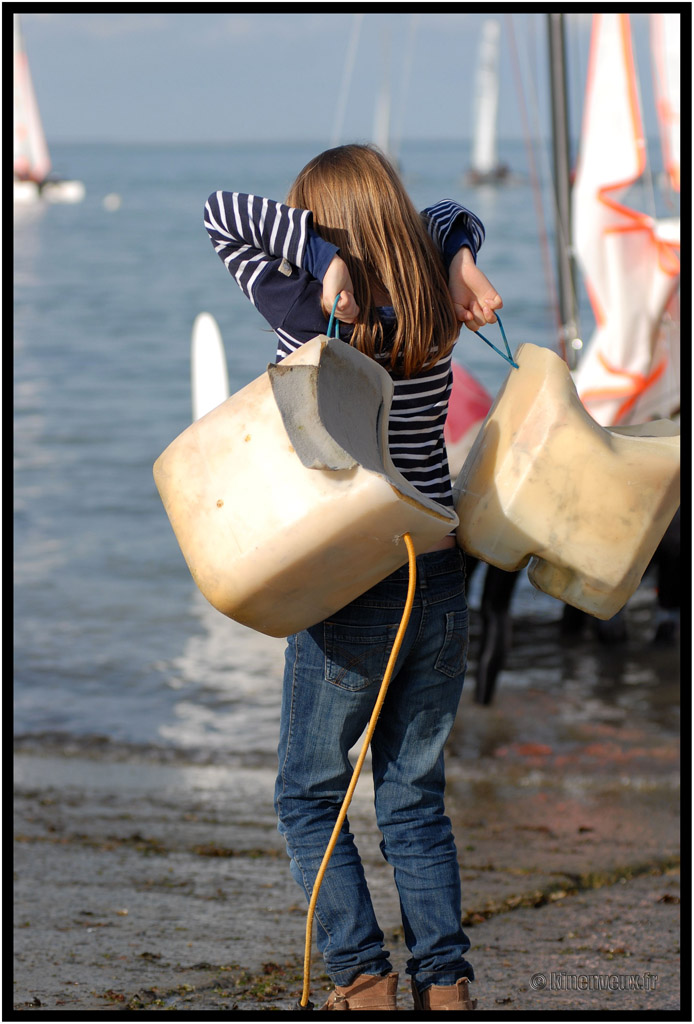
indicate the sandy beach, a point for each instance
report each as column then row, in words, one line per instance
column 147, row 880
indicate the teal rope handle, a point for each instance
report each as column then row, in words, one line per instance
column 332, row 320
column 334, row 326
column 504, row 355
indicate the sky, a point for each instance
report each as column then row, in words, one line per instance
column 253, row 76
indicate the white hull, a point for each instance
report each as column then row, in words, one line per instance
column 63, row 191
column 29, row 192
column 26, row 193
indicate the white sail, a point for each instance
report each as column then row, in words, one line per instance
column 209, row 373
column 484, row 156
column 31, row 159
column 630, row 263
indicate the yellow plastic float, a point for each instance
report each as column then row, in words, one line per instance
column 545, row 484
column 284, row 499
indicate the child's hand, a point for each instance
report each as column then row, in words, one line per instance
column 338, row 282
column 474, row 297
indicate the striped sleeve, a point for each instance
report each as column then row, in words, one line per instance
column 452, row 226
column 250, row 234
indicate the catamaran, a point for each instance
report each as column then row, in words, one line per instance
column 32, row 162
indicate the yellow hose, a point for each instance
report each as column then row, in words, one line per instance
column 397, row 643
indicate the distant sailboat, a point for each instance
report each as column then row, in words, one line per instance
column 32, row 162
column 485, row 166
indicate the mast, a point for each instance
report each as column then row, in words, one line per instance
column 562, row 187
column 381, row 122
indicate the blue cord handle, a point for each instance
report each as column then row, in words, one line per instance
column 504, row 355
column 332, row 320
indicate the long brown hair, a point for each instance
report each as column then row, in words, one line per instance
column 360, row 205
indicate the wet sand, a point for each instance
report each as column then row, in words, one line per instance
column 145, row 880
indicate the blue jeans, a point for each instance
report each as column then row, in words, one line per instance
column 333, row 673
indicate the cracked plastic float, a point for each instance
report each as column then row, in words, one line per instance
column 545, row 484
column 284, row 499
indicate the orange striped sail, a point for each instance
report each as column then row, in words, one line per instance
column 630, row 261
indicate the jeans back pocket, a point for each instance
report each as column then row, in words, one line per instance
column 452, row 659
column 357, row 656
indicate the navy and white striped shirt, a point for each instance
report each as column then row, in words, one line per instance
column 279, row 262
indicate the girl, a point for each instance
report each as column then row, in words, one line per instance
column 405, row 284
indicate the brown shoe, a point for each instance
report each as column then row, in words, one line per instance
column 376, row 992
column 445, row 997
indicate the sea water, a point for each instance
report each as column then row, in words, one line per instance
column 111, row 637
